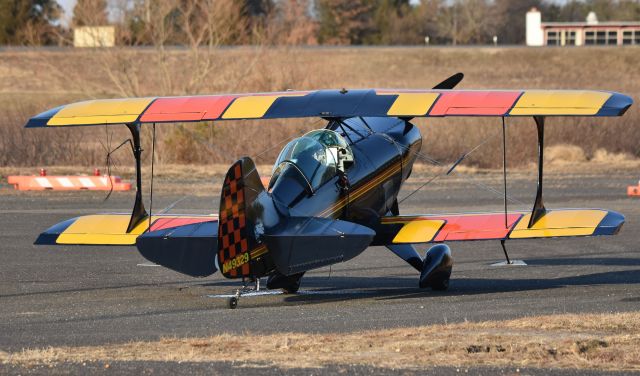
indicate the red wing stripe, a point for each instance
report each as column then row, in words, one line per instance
column 470, row 103
column 164, row 223
column 207, row 107
column 475, row 227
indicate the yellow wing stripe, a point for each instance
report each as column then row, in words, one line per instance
column 254, row 106
column 250, row 107
column 412, row 104
column 105, row 229
column 559, row 223
column 418, row 231
column 560, row 103
column 105, row 111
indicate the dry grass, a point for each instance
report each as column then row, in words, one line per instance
column 32, row 81
column 564, row 154
column 595, row 341
column 205, row 180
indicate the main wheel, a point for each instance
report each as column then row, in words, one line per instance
column 436, row 268
column 440, row 284
column 291, row 289
column 288, row 284
column 233, row 302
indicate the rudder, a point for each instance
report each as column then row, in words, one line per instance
column 237, row 243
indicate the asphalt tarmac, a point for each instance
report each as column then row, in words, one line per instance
column 76, row 295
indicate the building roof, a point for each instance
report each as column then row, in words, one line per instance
column 586, row 25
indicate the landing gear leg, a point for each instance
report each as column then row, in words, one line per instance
column 508, row 261
column 504, row 249
column 249, row 285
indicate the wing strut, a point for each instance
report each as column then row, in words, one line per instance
column 139, row 212
column 539, row 210
column 504, row 181
column 504, row 173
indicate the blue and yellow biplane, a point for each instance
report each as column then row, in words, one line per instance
column 334, row 191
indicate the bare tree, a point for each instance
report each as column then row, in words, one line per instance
column 90, row 13
column 345, row 21
column 467, row 21
column 291, row 24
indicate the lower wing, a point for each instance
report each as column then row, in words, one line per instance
column 414, row 229
column 111, row 229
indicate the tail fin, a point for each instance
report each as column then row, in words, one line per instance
column 237, row 243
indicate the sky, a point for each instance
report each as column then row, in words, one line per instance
column 67, row 5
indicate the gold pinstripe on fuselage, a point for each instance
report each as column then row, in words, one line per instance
column 258, row 251
column 366, row 187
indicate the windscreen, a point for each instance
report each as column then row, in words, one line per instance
column 311, row 158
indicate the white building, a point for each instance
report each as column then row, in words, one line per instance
column 94, row 36
column 590, row 32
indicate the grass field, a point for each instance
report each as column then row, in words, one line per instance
column 604, row 342
column 32, row 81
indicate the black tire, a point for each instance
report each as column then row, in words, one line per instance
column 440, row 285
column 291, row 289
column 233, row 302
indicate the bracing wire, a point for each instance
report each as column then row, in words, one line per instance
column 109, row 158
column 448, row 169
column 107, row 148
column 172, row 205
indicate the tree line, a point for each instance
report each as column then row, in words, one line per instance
column 296, row 22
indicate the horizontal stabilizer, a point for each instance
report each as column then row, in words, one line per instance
column 189, row 249
column 306, row 243
column 111, row 229
column 492, row 226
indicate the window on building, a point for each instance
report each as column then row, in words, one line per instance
column 553, row 38
column 630, row 37
column 570, row 38
column 601, row 37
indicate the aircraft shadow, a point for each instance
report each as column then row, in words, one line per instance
column 343, row 288
column 603, row 261
column 403, row 288
column 88, row 289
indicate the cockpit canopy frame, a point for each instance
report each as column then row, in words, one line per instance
column 317, row 156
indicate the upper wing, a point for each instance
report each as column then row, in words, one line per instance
column 336, row 103
column 493, row 226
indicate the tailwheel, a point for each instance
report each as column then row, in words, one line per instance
column 247, row 286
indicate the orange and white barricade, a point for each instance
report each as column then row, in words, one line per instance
column 43, row 182
column 634, row 190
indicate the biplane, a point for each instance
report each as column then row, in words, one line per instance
column 334, row 191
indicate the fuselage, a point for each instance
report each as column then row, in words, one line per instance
column 307, row 216
column 384, row 150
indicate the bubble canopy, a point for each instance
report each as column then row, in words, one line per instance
column 314, row 156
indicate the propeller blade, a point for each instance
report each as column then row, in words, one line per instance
column 450, row 82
